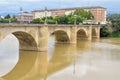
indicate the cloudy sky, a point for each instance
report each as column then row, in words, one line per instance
column 13, row 6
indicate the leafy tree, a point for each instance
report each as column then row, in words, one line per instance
column 115, row 20
column 62, row 19
column 37, row 20
column 50, row 21
column 71, row 18
column 7, row 16
column 104, row 32
column 13, row 19
column 79, row 15
column 83, row 15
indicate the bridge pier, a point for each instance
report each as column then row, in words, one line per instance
column 98, row 33
column 43, row 38
column 0, row 36
column 89, row 34
column 73, row 34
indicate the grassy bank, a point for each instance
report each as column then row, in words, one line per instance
column 114, row 34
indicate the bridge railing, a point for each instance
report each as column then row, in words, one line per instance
column 31, row 24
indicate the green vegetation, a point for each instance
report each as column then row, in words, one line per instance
column 7, row 16
column 114, row 24
column 115, row 34
column 8, row 19
column 79, row 16
column 104, row 32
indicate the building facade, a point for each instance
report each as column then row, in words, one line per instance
column 98, row 12
column 24, row 17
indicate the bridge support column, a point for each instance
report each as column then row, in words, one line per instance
column 73, row 34
column 89, row 37
column 43, row 38
column 0, row 36
column 98, row 32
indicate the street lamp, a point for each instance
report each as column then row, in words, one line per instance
column 75, row 21
column 21, row 11
column 45, row 15
column 0, row 18
column 9, row 21
column 91, row 18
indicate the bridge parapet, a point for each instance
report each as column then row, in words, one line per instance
column 41, row 25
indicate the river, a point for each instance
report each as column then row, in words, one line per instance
column 87, row 60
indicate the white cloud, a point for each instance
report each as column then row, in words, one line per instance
column 4, row 2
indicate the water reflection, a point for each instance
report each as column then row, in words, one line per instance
column 95, row 60
column 24, row 65
column 35, row 65
column 62, row 57
column 88, row 60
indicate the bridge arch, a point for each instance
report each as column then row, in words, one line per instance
column 26, row 40
column 61, row 36
column 94, row 33
column 82, row 34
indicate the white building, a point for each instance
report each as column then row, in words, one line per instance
column 25, row 17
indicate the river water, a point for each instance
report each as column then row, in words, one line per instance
column 87, row 60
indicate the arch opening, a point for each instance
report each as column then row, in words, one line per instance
column 61, row 37
column 26, row 41
column 94, row 33
column 81, row 34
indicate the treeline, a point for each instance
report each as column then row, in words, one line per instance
column 8, row 19
column 78, row 16
column 113, row 27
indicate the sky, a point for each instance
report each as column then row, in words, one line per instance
column 13, row 6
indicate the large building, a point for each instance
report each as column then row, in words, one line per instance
column 24, row 17
column 98, row 12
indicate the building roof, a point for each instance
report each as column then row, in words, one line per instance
column 88, row 7
column 25, row 14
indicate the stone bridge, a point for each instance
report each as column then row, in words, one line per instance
column 35, row 36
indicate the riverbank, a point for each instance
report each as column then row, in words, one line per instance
column 114, row 34
column 105, row 32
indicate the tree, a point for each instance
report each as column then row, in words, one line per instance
column 37, row 20
column 61, row 19
column 79, row 16
column 71, row 18
column 83, row 15
column 7, row 16
column 115, row 20
column 104, row 32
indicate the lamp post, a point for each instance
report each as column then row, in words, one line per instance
column 91, row 20
column 9, row 21
column 75, row 21
column 21, row 10
column 0, row 18
column 45, row 15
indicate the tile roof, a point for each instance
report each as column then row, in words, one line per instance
column 88, row 7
